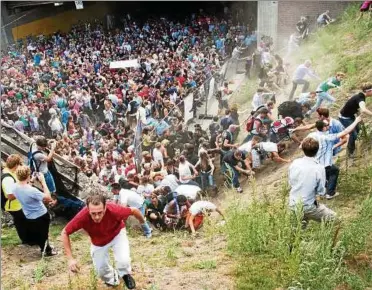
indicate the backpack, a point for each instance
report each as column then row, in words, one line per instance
column 34, row 166
column 252, row 118
column 3, row 198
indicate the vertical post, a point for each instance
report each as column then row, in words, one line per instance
column 267, row 20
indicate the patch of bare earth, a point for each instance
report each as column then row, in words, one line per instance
column 167, row 261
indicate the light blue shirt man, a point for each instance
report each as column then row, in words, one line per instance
column 307, row 178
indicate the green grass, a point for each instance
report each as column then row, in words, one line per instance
column 9, row 237
column 206, row 265
column 325, row 256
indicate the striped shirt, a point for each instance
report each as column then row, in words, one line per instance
column 326, row 142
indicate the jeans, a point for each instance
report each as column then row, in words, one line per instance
column 323, row 96
column 352, row 136
column 207, row 180
column 145, row 227
column 235, row 178
column 295, row 83
column 49, row 180
column 332, row 173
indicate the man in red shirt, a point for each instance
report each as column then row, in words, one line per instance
column 105, row 224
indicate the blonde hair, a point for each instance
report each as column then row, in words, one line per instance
column 23, row 172
column 13, row 161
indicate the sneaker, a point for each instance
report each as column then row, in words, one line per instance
column 239, row 189
column 116, row 281
column 129, row 281
column 332, row 196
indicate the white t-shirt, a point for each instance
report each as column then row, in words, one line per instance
column 130, row 198
column 158, row 156
column 145, row 189
column 201, row 206
column 246, row 147
column 190, row 191
column 171, row 181
column 184, row 171
column 269, row 146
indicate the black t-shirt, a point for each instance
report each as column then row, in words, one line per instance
column 226, row 135
column 230, row 159
column 352, row 105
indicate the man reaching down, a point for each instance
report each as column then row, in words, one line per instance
column 105, row 224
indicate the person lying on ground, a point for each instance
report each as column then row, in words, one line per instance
column 270, row 150
column 196, row 213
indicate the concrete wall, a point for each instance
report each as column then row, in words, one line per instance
column 46, row 19
column 267, row 19
column 290, row 12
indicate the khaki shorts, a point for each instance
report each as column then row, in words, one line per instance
column 319, row 213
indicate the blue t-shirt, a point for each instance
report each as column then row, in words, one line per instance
column 37, row 59
column 31, row 200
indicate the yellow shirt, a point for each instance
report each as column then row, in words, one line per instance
column 10, row 205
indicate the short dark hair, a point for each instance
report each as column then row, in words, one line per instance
column 42, row 142
column 319, row 125
column 181, row 199
column 323, row 112
column 310, row 146
column 96, row 199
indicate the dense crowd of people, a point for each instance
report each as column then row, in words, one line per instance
column 62, row 87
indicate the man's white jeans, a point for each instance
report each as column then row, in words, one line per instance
column 101, row 259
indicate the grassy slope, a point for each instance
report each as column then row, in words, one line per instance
column 323, row 257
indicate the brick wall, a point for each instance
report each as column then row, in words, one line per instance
column 289, row 14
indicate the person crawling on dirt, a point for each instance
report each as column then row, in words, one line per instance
column 267, row 150
column 280, row 130
column 130, row 198
column 260, row 125
column 155, row 212
column 324, row 19
column 175, row 212
column 196, row 213
column 260, row 98
column 66, row 207
column 105, row 224
column 293, row 109
column 240, row 164
column 323, row 91
column 246, row 148
column 305, row 98
column 307, row 179
column 356, row 104
column 226, row 120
